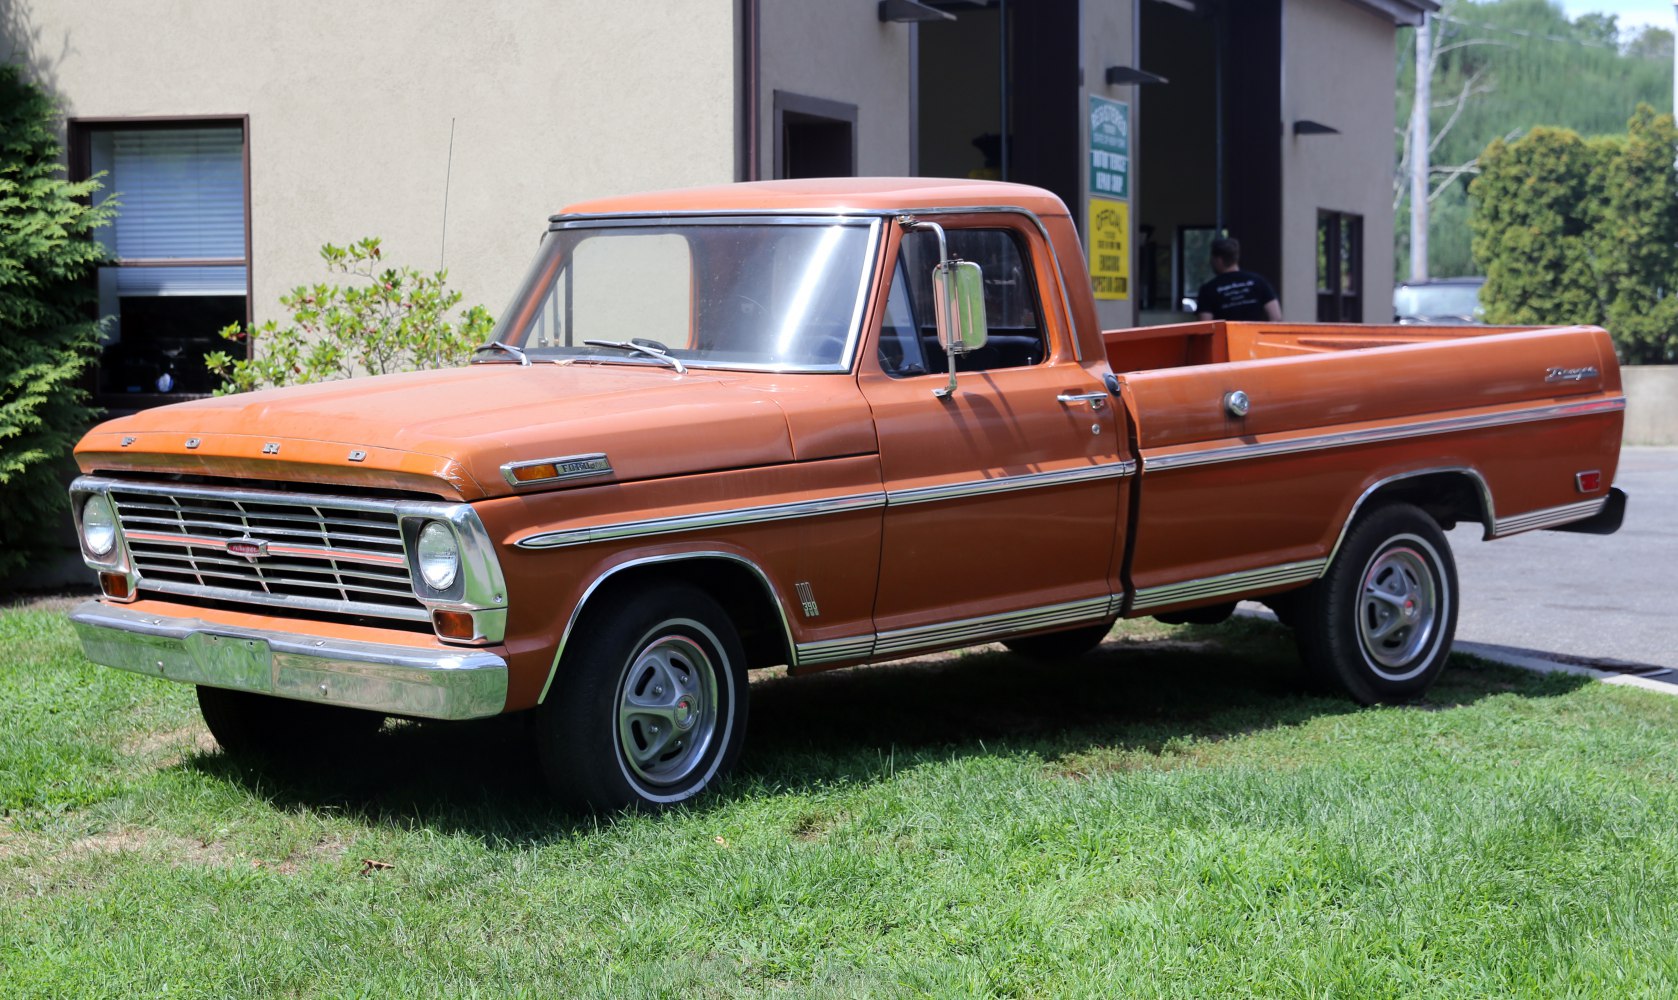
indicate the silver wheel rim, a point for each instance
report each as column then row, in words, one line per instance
column 1398, row 611
column 667, row 710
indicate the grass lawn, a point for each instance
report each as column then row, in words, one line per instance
column 1169, row 816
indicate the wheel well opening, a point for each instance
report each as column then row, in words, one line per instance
column 744, row 597
column 1450, row 498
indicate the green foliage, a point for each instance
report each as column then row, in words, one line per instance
column 388, row 320
column 1503, row 67
column 1576, row 230
column 46, row 336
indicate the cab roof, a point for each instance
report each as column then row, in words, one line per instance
column 830, row 195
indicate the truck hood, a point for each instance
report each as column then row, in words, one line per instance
column 450, row 431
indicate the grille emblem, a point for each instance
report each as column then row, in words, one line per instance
column 249, row 549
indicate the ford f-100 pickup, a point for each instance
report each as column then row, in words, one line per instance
column 815, row 424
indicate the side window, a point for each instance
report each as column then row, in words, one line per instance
column 909, row 334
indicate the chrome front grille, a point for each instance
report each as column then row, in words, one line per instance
column 307, row 552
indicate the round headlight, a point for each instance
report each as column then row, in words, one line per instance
column 439, row 555
column 99, row 525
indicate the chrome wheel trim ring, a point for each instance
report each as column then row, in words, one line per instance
column 668, row 711
column 1401, row 602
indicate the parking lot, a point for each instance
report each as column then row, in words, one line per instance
column 1605, row 601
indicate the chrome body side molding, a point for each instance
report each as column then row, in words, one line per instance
column 818, row 508
column 1227, row 584
column 1373, row 435
column 965, row 631
column 695, row 522
column 429, row 682
column 1549, row 517
column 1005, row 484
column 810, row 654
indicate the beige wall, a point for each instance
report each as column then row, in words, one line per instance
column 1109, row 31
column 837, row 51
column 1651, row 404
column 1337, row 68
column 350, row 107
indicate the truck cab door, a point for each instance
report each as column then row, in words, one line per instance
column 1004, row 497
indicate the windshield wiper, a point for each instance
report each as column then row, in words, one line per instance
column 509, row 348
column 651, row 348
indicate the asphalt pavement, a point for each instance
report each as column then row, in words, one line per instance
column 1603, row 601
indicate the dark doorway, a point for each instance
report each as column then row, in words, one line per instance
column 997, row 94
column 814, row 137
column 1210, row 162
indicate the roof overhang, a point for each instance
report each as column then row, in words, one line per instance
column 1408, row 12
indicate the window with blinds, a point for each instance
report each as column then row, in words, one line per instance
column 180, row 270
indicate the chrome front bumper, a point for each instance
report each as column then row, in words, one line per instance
column 396, row 680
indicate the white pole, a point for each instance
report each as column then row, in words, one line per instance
column 1418, row 152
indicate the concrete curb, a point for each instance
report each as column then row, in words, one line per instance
column 1539, row 664
column 1533, row 660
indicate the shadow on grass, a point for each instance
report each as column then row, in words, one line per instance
column 856, row 726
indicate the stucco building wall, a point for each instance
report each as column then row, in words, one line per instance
column 838, row 52
column 1328, row 50
column 351, row 105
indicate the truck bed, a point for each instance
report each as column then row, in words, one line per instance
column 1180, row 345
column 1329, row 413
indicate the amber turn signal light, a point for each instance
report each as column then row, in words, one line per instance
column 115, row 585
column 535, row 473
column 454, row 625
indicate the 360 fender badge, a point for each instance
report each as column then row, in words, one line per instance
column 1570, row 374
column 249, row 549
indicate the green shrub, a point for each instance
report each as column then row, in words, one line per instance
column 47, row 334
column 388, row 320
column 1578, row 230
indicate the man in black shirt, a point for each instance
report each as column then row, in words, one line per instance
column 1234, row 293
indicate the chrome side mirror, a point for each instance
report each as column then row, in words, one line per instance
column 958, row 301
column 958, row 296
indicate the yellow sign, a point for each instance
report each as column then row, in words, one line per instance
column 1109, row 231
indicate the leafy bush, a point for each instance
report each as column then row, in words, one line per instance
column 1584, row 231
column 389, row 320
column 47, row 335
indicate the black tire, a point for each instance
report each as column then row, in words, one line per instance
column 1379, row 624
column 671, row 652
column 1053, row 647
column 262, row 725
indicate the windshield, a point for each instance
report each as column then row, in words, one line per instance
column 1437, row 300
column 781, row 294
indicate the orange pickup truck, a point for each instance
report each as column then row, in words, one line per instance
column 815, row 424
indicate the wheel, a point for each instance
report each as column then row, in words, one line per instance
column 1064, row 645
column 649, row 708
column 1379, row 623
column 262, row 725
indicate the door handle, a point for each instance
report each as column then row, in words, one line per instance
column 1097, row 400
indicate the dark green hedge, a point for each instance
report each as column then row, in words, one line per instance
column 1575, row 230
column 47, row 334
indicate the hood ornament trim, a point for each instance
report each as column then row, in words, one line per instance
column 552, row 470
